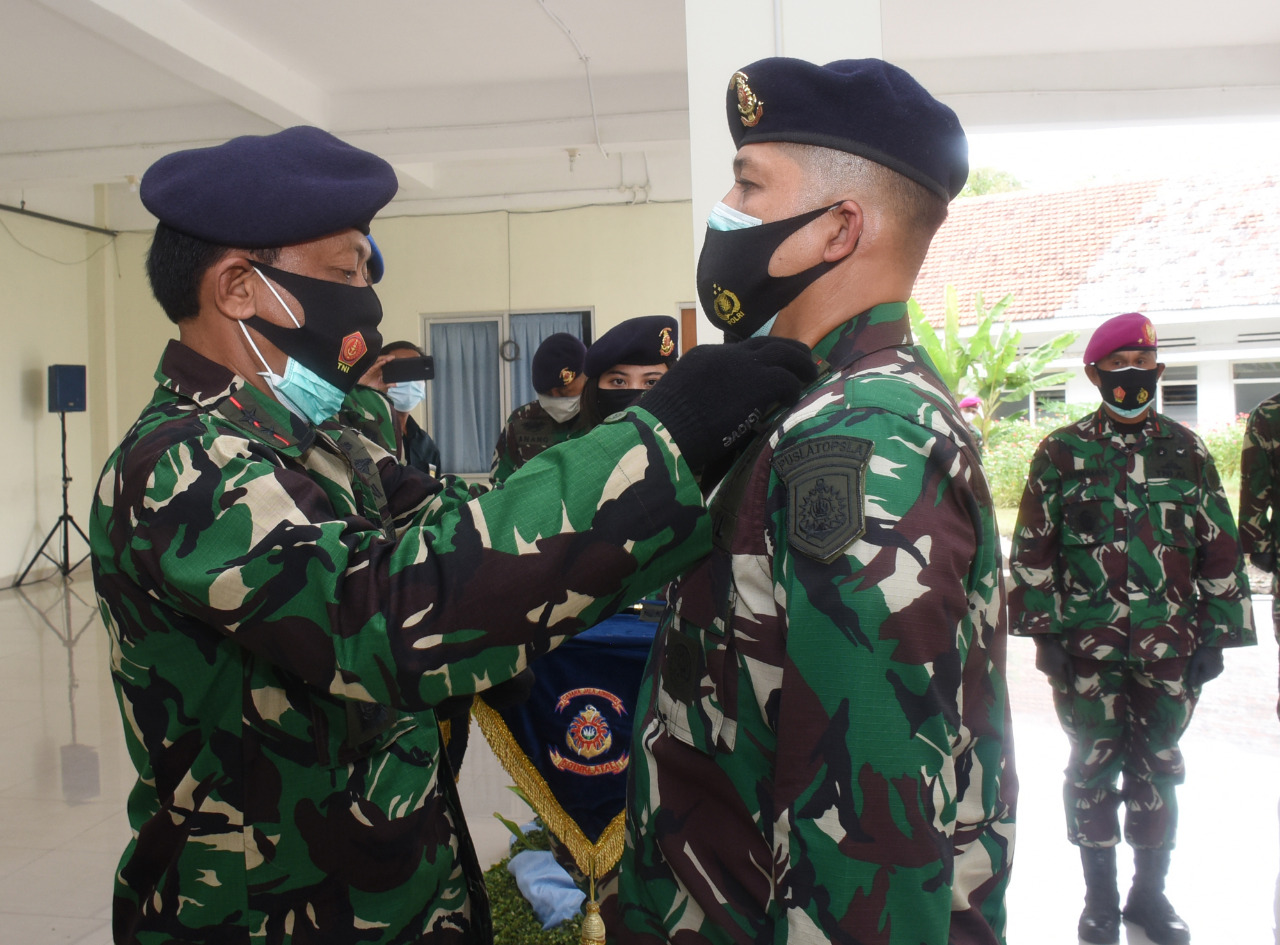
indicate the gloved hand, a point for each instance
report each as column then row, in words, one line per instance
column 1054, row 661
column 1205, row 664
column 1263, row 561
column 713, row 395
column 510, row 692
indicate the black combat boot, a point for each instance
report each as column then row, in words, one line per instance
column 1100, row 921
column 1147, row 905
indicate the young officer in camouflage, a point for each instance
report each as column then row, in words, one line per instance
column 1128, row 575
column 822, row 750
column 555, row 416
column 1259, row 496
column 286, row 603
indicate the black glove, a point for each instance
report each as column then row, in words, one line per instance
column 1054, row 661
column 1205, row 664
column 511, row 692
column 1263, row 561
column 713, row 395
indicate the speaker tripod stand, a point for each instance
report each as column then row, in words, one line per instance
column 65, row 523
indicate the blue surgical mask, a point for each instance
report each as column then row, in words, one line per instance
column 304, row 393
column 765, row 328
column 405, row 395
column 724, row 217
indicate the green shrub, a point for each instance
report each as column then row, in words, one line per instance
column 514, row 921
column 1006, row 457
column 1225, row 442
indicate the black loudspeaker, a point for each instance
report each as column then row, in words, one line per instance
column 66, row 388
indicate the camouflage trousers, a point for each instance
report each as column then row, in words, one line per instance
column 1124, row 718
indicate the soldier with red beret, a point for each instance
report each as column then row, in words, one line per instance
column 1128, row 575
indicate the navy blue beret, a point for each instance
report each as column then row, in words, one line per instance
column 866, row 107
column 649, row 339
column 261, row 191
column 557, row 362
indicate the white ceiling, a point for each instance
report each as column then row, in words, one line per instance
column 486, row 104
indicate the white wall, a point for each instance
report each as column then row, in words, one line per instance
column 624, row 261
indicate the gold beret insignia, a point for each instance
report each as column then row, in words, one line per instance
column 665, row 344
column 750, row 108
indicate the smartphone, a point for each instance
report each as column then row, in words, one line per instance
column 409, row 369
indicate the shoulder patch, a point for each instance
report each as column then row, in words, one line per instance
column 825, row 478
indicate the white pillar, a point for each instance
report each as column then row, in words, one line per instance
column 721, row 36
column 1215, row 393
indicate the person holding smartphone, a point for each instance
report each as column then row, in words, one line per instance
column 404, row 378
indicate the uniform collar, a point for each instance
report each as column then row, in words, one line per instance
column 213, row 387
column 884, row 326
column 1100, row 426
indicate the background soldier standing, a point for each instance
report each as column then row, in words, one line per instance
column 822, row 749
column 554, row 417
column 1259, row 495
column 286, row 603
column 1128, row 574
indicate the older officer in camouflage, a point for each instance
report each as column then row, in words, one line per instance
column 286, row 603
column 1128, row 575
column 823, row 748
column 556, row 415
column 1260, row 496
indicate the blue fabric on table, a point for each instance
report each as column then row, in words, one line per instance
column 547, row 886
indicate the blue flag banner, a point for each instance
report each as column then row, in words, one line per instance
column 568, row 746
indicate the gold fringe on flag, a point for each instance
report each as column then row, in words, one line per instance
column 594, row 859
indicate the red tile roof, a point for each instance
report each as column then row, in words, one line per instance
column 1151, row 246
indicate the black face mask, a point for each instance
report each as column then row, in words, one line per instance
column 734, row 286
column 614, row 399
column 339, row 338
column 1129, row 391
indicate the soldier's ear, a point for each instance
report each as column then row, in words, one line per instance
column 233, row 286
column 844, row 240
column 1159, row 370
column 1091, row 372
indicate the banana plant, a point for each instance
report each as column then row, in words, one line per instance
column 985, row 362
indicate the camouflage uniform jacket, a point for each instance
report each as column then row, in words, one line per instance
column 529, row 431
column 823, row 751
column 1260, row 481
column 1125, row 545
column 276, row 652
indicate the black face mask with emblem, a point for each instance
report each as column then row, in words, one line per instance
column 734, row 286
column 1129, row 391
column 338, row 338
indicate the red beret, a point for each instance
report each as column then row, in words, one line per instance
column 1131, row 330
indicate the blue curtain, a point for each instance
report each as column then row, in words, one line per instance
column 466, row 404
column 529, row 331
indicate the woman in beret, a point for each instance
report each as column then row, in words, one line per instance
column 626, row 361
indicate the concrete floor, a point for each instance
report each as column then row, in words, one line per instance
column 65, row 777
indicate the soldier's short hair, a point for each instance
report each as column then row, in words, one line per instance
column 831, row 175
column 176, row 262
